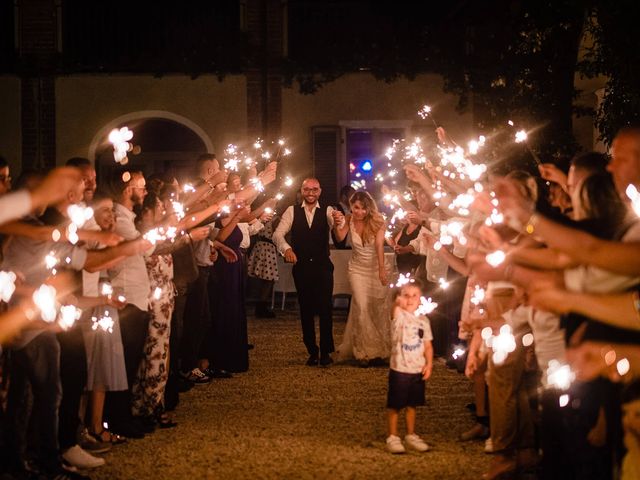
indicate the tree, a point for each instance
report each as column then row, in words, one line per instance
column 615, row 53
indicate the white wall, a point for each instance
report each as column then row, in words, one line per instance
column 86, row 103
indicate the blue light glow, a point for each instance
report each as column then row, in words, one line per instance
column 366, row 166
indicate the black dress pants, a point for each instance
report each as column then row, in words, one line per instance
column 73, row 377
column 134, row 326
column 196, row 320
column 36, row 365
column 314, row 284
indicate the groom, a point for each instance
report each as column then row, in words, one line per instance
column 309, row 225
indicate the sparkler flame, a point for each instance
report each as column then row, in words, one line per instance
column 105, row 323
column 502, row 344
column 69, row 314
column 51, row 261
column 79, row 215
column 424, row 111
column 559, row 375
column 495, row 258
column 119, row 138
column 521, row 136
column 634, row 196
column 477, row 297
column 458, row 352
column 7, row 285
column 427, row 306
column 45, row 299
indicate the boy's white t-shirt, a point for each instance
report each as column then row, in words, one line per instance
column 408, row 334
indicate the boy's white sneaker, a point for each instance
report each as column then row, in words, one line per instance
column 78, row 458
column 414, row 442
column 394, row 444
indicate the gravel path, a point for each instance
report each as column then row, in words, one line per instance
column 285, row 420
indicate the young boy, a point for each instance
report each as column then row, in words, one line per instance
column 411, row 364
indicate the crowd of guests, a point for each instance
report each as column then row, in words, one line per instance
column 548, row 325
column 538, row 287
column 158, row 270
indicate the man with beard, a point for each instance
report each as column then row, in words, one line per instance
column 309, row 225
column 129, row 277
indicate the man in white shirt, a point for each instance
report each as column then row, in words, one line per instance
column 131, row 278
column 310, row 225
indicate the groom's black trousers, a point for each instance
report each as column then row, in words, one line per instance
column 314, row 285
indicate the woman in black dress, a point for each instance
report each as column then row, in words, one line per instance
column 407, row 261
column 229, row 320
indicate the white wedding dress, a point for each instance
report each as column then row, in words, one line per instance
column 367, row 334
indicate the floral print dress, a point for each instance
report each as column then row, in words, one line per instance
column 148, row 391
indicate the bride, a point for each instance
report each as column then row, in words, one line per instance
column 366, row 336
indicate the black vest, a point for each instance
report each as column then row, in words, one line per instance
column 310, row 243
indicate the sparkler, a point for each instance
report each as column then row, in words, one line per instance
column 105, row 323
column 458, row 352
column 623, row 366
column 68, row 316
column 106, row 290
column 160, row 234
column 79, row 215
column 527, row 339
column 495, row 258
column 119, row 138
column 427, row 305
column 157, row 293
column 403, row 279
column 634, row 196
column 178, row 209
column 257, row 184
column 559, row 375
column 502, row 344
column 45, row 299
column 425, row 112
column 477, row 297
column 72, row 233
column 521, row 136
column 51, row 262
column 7, row 285
column 359, row 184
column 188, row 188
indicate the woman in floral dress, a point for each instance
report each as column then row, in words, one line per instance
column 148, row 392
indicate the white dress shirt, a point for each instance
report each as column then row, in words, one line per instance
column 286, row 222
column 130, row 275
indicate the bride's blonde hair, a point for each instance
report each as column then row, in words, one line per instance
column 373, row 221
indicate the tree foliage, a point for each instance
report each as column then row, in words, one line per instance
column 615, row 53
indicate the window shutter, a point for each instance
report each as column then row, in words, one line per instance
column 326, row 151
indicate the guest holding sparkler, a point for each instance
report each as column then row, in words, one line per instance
column 411, row 365
column 229, row 351
column 105, row 355
column 128, row 190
